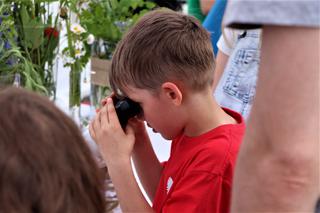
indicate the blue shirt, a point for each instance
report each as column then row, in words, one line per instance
column 213, row 22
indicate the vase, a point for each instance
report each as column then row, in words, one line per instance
column 75, row 92
column 74, row 85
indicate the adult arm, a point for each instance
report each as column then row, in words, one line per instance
column 278, row 165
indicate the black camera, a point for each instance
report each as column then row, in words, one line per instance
column 126, row 109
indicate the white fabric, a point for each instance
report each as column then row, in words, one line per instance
column 236, row 88
column 272, row 12
column 228, row 40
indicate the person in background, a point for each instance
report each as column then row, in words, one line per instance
column 174, row 89
column 226, row 44
column 199, row 8
column 237, row 69
column 278, row 165
column 45, row 164
column 213, row 21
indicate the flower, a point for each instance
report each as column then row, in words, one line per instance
column 78, row 45
column 90, row 39
column 51, row 31
column 79, row 53
column 77, row 29
column 29, row 43
column 67, row 60
column 83, row 5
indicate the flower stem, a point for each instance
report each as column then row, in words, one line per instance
column 75, row 87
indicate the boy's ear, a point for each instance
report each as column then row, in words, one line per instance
column 172, row 92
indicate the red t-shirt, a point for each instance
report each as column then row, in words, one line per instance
column 198, row 175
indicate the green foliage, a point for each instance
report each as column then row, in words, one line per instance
column 12, row 59
column 78, row 51
column 32, row 29
column 31, row 32
column 28, row 27
column 107, row 20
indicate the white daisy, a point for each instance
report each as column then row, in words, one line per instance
column 67, row 60
column 79, row 53
column 77, row 29
column 78, row 45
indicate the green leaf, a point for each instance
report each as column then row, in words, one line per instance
column 150, row 5
column 32, row 28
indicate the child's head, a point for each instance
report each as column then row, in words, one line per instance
column 45, row 163
column 163, row 46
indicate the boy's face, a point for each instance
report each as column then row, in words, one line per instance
column 158, row 111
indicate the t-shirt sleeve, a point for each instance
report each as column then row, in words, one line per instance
column 198, row 192
column 253, row 14
column 226, row 42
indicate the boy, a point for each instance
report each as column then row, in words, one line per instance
column 166, row 63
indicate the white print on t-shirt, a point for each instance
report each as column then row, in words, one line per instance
column 169, row 184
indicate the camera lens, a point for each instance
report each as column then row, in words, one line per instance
column 126, row 109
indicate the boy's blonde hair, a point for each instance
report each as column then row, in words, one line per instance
column 163, row 46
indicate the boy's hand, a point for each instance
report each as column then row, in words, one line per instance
column 140, row 132
column 104, row 101
column 115, row 145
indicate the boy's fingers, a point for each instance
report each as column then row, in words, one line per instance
column 91, row 131
column 96, row 122
column 104, row 115
column 129, row 130
column 113, row 118
column 104, row 101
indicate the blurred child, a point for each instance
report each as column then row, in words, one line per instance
column 45, row 164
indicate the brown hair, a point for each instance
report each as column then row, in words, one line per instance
column 163, row 46
column 45, row 165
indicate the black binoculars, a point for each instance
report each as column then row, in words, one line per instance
column 126, row 109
